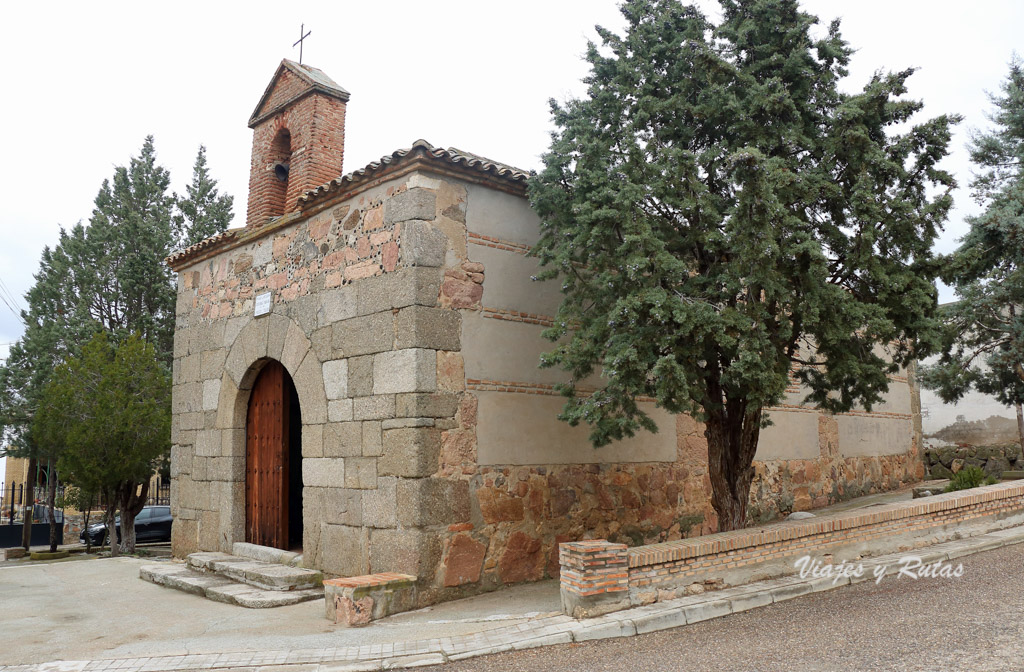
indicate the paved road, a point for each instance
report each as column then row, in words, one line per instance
column 973, row 623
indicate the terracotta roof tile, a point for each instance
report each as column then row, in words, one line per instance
column 453, row 157
column 212, row 241
column 450, row 156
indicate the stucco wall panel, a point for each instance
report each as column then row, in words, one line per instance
column 792, row 436
column 524, row 429
column 897, row 399
column 508, row 285
column 497, row 214
column 504, row 350
column 863, row 435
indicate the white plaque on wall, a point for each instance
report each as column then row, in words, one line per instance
column 262, row 306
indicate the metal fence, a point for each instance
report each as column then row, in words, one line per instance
column 159, row 492
column 12, row 500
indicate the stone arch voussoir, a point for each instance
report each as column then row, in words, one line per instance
column 274, row 337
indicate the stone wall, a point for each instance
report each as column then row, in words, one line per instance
column 404, row 312
column 944, row 461
column 536, row 483
column 594, row 581
column 355, row 319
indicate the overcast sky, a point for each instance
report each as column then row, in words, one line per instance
column 86, row 82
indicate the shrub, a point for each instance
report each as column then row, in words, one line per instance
column 969, row 477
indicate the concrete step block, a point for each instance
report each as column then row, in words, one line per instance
column 205, row 560
column 281, row 577
column 268, row 576
column 222, row 589
column 265, row 599
column 229, row 592
column 266, row 554
column 181, row 578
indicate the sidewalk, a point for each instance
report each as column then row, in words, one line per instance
column 155, row 630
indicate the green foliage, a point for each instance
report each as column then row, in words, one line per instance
column 716, row 204
column 202, row 212
column 110, row 409
column 983, row 345
column 128, row 238
column 969, row 477
column 719, row 213
column 76, row 498
column 109, row 275
column 51, row 333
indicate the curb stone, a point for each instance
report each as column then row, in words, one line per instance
column 544, row 631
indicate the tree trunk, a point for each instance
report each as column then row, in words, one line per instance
column 30, row 482
column 732, row 436
column 51, row 500
column 112, row 526
column 1020, row 426
column 132, row 502
column 85, row 526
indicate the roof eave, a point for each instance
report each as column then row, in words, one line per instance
column 421, row 156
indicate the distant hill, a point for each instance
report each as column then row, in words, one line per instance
column 992, row 430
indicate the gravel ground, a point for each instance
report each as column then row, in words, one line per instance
column 975, row 622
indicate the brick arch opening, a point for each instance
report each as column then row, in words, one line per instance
column 279, row 155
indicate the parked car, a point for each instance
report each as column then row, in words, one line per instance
column 152, row 524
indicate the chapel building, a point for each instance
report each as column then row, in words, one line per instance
column 356, row 377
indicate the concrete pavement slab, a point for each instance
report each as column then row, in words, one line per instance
column 172, row 631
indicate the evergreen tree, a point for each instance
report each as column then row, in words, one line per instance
column 108, row 276
column 23, row 376
column 984, row 344
column 721, row 216
column 128, row 238
column 109, row 408
column 202, row 212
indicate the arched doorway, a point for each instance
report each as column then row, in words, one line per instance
column 273, row 461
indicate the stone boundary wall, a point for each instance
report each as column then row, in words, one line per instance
column 673, row 569
column 945, row 461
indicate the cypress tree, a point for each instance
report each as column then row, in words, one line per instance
column 984, row 338
column 202, row 211
column 721, row 217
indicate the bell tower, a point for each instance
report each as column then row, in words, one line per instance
column 298, row 139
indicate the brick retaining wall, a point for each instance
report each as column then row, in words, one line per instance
column 672, row 569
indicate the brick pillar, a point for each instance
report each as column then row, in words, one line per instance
column 594, row 578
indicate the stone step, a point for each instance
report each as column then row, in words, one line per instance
column 262, row 575
column 222, row 589
column 266, row 554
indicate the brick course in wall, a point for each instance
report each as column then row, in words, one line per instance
column 667, row 570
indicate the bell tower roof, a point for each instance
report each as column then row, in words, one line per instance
column 291, row 83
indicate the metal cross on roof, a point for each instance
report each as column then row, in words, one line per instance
column 298, row 43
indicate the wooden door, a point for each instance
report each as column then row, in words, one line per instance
column 266, row 459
